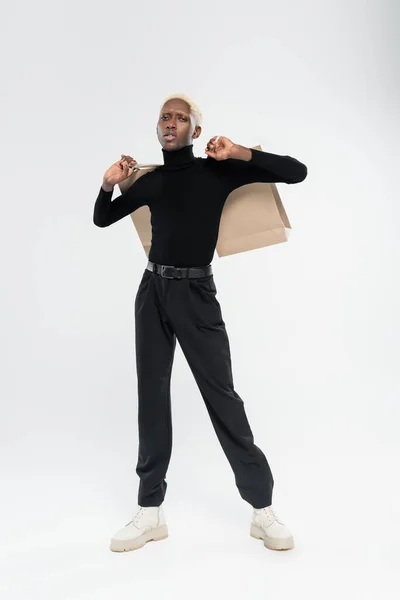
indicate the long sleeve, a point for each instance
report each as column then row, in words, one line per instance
column 263, row 167
column 107, row 211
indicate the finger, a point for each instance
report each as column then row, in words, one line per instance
column 215, row 140
column 128, row 159
column 127, row 162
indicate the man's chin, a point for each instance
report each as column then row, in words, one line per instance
column 172, row 144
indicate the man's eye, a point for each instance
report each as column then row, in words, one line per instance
column 163, row 117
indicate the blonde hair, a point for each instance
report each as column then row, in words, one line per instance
column 195, row 112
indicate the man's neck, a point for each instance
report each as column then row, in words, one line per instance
column 177, row 158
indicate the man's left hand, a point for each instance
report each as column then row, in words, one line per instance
column 220, row 148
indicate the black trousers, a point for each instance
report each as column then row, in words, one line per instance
column 187, row 309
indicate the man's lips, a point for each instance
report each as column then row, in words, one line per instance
column 170, row 136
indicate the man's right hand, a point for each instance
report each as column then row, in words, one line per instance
column 119, row 171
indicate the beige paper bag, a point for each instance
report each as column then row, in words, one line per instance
column 253, row 217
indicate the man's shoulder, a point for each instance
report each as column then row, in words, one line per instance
column 221, row 166
column 205, row 162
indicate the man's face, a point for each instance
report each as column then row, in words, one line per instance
column 174, row 128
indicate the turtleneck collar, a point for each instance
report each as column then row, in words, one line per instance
column 178, row 158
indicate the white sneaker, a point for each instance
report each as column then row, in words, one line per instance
column 266, row 526
column 147, row 525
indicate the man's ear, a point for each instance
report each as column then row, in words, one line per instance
column 197, row 132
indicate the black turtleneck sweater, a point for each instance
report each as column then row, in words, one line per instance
column 186, row 196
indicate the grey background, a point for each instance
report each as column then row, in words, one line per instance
column 313, row 324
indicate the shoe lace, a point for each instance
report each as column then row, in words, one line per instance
column 269, row 513
column 136, row 519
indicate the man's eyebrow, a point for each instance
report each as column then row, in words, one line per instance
column 178, row 112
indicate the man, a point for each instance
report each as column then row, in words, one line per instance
column 176, row 300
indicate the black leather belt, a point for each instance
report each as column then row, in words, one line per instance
column 178, row 272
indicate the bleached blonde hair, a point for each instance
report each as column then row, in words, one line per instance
column 195, row 112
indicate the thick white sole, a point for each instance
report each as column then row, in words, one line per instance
column 271, row 543
column 154, row 535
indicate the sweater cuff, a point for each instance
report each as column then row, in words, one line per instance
column 258, row 158
column 103, row 191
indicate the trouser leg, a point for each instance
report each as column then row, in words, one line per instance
column 202, row 334
column 155, row 346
